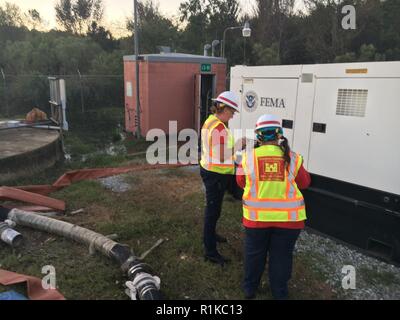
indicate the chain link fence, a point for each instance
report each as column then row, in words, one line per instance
column 95, row 109
column 20, row 93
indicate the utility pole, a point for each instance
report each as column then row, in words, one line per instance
column 137, row 118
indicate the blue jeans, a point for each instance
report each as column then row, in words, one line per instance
column 215, row 184
column 279, row 244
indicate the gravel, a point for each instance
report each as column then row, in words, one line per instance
column 374, row 279
column 115, row 184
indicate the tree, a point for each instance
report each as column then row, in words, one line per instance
column 272, row 17
column 206, row 21
column 76, row 16
column 11, row 27
column 320, row 37
column 75, row 53
column 33, row 20
column 266, row 56
column 102, row 36
column 154, row 29
column 347, row 57
column 194, row 13
column 10, row 16
column 391, row 25
column 65, row 16
column 293, row 43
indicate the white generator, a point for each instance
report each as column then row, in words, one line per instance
column 345, row 121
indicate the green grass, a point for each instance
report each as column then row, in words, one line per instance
column 78, row 274
column 75, row 145
column 163, row 204
column 167, row 204
column 309, row 278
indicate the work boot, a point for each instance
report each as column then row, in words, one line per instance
column 216, row 258
column 220, row 238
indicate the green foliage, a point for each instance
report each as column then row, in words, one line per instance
column 96, row 127
column 102, row 36
column 10, row 15
column 266, row 56
column 367, row 53
column 347, row 57
column 154, row 29
column 206, row 21
column 77, row 15
column 74, row 53
column 91, row 59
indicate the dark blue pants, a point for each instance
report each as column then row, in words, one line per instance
column 276, row 243
column 215, row 185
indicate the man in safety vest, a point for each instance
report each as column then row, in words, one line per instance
column 273, row 207
column 216, row 167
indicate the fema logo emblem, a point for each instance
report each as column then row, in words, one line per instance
column 251, row 101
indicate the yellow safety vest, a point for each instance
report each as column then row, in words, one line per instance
column 271, row 193
column 210, row 155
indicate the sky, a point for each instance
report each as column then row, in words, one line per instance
column 116, row 11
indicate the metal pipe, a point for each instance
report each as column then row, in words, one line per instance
column 206, row 48
column 143, row 284
column 9, row 235
column 213, row 45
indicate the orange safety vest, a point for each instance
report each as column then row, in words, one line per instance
column 210, row 154
column 271, row 193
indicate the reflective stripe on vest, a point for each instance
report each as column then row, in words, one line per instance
column 294, row 159
column 258, row 207
column 207, row 161
column 252, row 174
column 271, row 205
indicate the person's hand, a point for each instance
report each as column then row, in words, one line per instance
column 240, row 144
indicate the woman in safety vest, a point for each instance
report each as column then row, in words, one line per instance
column 273, row 207
column 216, row 167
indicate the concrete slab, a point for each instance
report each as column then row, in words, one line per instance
column 26, row 151
column 22, row 140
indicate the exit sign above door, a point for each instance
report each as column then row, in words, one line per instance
column 205, row 67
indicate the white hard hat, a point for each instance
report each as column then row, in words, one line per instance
column 268, row 121
column 228, row 98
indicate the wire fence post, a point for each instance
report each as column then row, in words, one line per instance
column 5, row 92
column 81, row 88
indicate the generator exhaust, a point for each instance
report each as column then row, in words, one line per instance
column 142, row 284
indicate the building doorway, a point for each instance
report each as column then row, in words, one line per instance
column 205, row 91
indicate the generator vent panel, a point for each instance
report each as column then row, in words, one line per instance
column 352, row 102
